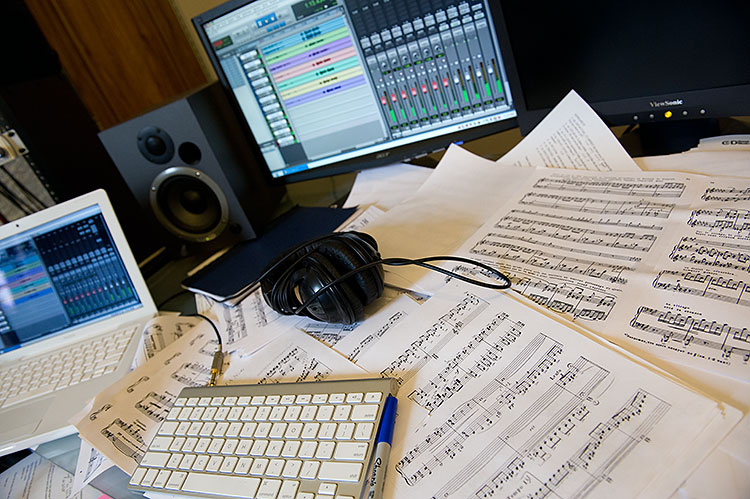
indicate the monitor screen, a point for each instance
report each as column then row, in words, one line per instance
column 59, row 275
column 328, row 86
column 634, row 62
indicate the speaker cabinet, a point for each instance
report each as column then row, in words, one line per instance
column 190, row 164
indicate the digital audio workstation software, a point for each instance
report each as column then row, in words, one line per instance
column 324, row 81
column 59, row 275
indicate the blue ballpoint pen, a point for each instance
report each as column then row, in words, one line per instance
column 383, row 448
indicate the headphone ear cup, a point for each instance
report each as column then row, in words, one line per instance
column 366, row 286
column 339, row 304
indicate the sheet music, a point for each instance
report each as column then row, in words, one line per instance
column 592, row 246
column 571, row 136
column 90, row 464
column 498, row 400
column 124, row 417
column 699, row 295
column 161, row 332
column 249, row 325
column 35, row 477
column 293, row 356
column 457, row 198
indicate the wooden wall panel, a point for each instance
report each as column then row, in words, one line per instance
column 124, row 57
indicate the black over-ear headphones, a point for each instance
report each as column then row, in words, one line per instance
column 332, row 278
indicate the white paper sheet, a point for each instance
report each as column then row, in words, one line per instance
column 497, row 399
column 571, row 136
column 34, row 477
column 90, row 464
column 293, row 356
column 454, row 202
column 387, row 186
column 125, row 416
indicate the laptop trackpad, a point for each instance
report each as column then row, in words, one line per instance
column 23, row 420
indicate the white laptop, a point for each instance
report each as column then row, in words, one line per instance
column 72, row 307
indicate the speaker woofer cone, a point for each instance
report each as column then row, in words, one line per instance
column 189, row 204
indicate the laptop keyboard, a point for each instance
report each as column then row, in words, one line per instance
column 280, row 441
column 59, row 369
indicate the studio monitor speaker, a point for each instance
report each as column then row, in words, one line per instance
column 191, row 166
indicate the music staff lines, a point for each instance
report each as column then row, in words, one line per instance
column 722, row 219
column 454, row 376
column 370, row 340
column 726, row 194
column 534, row 241
column 192, row 374
column 546, row 260
column 712, row 253
column 578, row 301
column 236, row 328
column 495, row 396
column 716, row 288
column 285, row 366
column 330, row 334
column 615, row 440
column 155, row 406
column 613, row 222
column 609, row 442
column 599, row 206
column 621, row 240
column 515, row 440
column 434, row 339
column 698, row 333
column 643, row 189
column 127, row 438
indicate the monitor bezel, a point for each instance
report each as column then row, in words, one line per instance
column 727, row 101
column 404, row 153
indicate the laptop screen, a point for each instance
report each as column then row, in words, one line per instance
column 60, row 275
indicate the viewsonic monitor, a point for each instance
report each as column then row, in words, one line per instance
column 635, row 62
column 330, row 86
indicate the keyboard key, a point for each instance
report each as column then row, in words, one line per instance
column 203, row 483
column 365, row 412
column 189, row 444
column 340, row 472
column 309, row 470
column 264, row 444
column 268, row 489
column 176, row 480
column 288, row 489
column 351, row 451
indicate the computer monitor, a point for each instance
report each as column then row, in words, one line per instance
column 635, row 62
column 331, row 86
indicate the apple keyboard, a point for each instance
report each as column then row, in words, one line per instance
column 302, row 440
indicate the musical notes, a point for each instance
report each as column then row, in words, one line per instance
column 710, row 253
column 155, row 406
column 553, row 261
column 638, row 241
column 726, row 194
column 704, row 285
column 582, row 204
column 636, row 187
column 713, row 340
column 542, row 413
column 722, row 221
column 135, row 405
column 427, row 344
column 127, row 438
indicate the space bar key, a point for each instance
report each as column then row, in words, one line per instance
column 221, row 485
